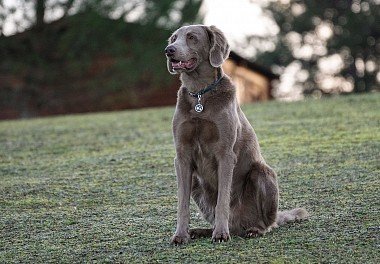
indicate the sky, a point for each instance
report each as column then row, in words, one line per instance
column 237, row 18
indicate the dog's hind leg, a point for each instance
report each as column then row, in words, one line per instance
column 264, row 199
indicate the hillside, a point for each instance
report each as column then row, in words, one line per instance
column 101, row 187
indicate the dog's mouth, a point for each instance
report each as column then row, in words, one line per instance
column 183, row 65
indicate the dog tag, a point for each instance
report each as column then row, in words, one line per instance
column 199, row 107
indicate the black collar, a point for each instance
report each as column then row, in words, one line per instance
column 209, row 87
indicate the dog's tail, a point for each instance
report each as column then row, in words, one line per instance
column 297, row 214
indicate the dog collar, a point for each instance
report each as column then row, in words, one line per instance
column 199, row 107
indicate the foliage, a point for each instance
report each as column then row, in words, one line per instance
column 101, row 187
column 91, row 31
column 311, row 31
column 167, row 13
column 93, row 46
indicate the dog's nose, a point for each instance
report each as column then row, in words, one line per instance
column 170, row 50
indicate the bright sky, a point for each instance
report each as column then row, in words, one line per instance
column 238, row 19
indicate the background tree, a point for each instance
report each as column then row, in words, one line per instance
column 333, row 45
column 103, row 53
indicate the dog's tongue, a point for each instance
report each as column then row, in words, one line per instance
column 182, row 64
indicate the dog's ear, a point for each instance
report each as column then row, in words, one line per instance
column 219, row 48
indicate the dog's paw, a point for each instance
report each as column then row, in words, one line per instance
column 222, row 236
column 178, row 240
column 254, row 232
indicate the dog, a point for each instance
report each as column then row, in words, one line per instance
column 218, row 159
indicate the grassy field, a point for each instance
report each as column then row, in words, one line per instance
column 101, row 187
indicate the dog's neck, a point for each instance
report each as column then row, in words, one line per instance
column 199, row 78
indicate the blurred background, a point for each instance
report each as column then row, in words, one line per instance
column 74, row 56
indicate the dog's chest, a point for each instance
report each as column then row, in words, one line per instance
column 199, row 136
column 198, row 131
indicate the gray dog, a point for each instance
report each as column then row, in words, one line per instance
column 218, row 160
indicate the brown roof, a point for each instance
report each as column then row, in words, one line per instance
column 239, row 60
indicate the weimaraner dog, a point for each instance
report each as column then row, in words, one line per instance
column 218, row 160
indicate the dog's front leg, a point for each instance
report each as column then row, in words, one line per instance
column 222, row 210
column 183, row 171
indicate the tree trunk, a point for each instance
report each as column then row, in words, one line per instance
column 40, row 13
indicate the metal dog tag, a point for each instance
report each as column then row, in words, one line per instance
column 199, row 107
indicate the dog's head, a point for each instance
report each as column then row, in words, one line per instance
column 189, row 46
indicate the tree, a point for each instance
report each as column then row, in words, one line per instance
column 335, row 43
column 36, row 13
column 105, row 50
column 40, row 13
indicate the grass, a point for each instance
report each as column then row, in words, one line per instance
column 101, row 187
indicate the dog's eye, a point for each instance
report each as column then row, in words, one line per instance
column 191, row 37
column 174, row 38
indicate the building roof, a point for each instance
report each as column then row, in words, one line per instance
column 239, row 60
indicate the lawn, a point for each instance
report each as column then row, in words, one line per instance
column 101, row 187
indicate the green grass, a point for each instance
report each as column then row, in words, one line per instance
column 101, row 187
